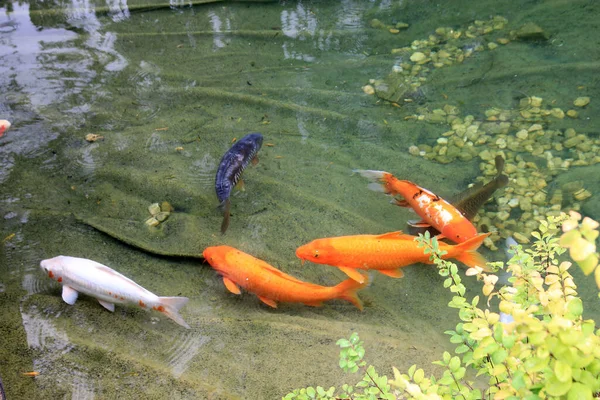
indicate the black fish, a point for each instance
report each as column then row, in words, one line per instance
column 470, row 201
column 233, row 163
column 2, row 394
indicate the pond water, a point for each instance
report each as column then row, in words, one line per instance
column 170, row 86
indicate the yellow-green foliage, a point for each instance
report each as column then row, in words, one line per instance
column 537, row 347
column 580, row 239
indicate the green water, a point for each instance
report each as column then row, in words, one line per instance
column 169, row 87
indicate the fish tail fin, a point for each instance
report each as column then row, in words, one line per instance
column 468, row 255
column 170, row 306
column 379, row 179
column 225, row 206
column 347, row 291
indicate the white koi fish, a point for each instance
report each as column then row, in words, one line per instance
column 108, row 286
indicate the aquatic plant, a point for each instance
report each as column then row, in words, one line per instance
column 538, row 346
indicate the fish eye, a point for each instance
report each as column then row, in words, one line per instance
column 317, row 254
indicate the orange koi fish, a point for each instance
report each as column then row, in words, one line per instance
column 4, row 126
column 270, row 284
column 434, row 210
column 385, row 253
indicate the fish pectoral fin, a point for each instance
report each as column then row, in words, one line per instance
column 231, row 286
column 354, row 274
column 255, row 160
column 394, row 273
column 401, row 202
column 69, row 295
column 418, row 224
column 109, row 306
column 268, row 302
column 240, row 185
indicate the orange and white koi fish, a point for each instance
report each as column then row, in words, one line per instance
column 272, row 285
column 108, row 286
column 4, row 126
column 385, row 253
column 434, row 210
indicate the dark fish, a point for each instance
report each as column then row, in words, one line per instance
column 233, row 163
column 470, row 201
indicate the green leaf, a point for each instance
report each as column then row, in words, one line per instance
column 456, row 339
column 554, row 387
column 454, row 363
column 499, row 356
column 508, row 341
column 419, row 375
column 579, row 391
column 460, row 373
column 343, row 343
column 463, row 348
column 535, row 364
column 411, row 371
column 518, row 381
column 321, row 391
column 310, row 391
column 562, row 371
column 575, row 307
column 446, row 357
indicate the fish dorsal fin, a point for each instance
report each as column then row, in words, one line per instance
column 268, row 302
column 280, row 273
column 231, row 286
column 396, row 235
column 69, row 295
column 109, row 306
column 354, row 274
column 394, row 273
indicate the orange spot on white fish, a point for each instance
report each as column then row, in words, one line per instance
column 142, row 304
column 159, row 308
column 59, row 279
column 50, row 274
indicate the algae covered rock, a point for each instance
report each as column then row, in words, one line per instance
column 531, row 32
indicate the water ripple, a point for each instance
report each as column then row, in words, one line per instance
column 184, row 348
column 202, row 172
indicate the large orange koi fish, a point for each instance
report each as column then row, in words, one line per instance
column 270, row 284
column 434, row 210
column 385, row 253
